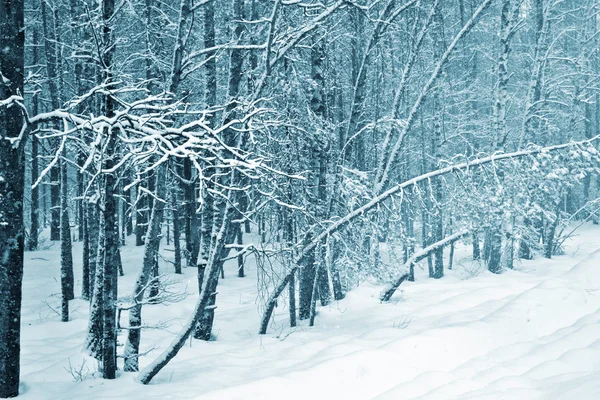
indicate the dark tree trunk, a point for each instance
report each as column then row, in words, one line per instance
column 93, row 233
column 55, row 204
column 176, row 231
column 190, row 213
column 66, row 249
column 336, row 282
column 141, row 220
column 292, row 299
column 85, row 262
column 307, row 278
column 495, row 251
column 111, row 239
column 240, row 257
column 80, row 203
column 524, row 249
column 127, row 210
column 476, row 250
column 272, row 302
column 12, row 170
column 487, row 245
column 51, row 70
column 34, row 229
column 93, row 341
column 549, row 241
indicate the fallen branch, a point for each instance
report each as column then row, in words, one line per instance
column 272, row 302
column 387, row 293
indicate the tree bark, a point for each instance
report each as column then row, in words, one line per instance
column 111, row 238
column 66, row 249
column 176, row 231
column 34, row 229
column 153, row 238
column 50, row 43
column 12, row 175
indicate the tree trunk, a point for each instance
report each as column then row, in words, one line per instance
column 93, row 235
column 12, row 174
column 50, row 43
column 34, row 229
column 66, row 249
column 111, row 239
column 307, row 278
column 93, row 341
column 203, row 302
column 476, row 249
column 153, row 238
column 495, row 251
column 240, row 257
column 141, row 220
column 176, row 231
column 85, row 262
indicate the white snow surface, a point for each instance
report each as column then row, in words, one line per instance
column 531, row 333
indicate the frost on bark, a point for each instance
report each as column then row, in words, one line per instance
column 12, row 175
column 141, row 219
column 93, row 341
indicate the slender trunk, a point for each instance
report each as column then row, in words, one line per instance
column 190, row 213
column 140, row 217
column 240, row 257
column 550, row 237
column 176, row 231
column 476, row 249
column 34, row 229
column 307, row 278
column 336, row 281
column 93, row 233
column 153, row 236
column 85, row 262
column 93, row 341
column 66, row 249
column 292, row 300
column 51, row 70
column 524, row 249
column 154, row 368
column 495, row 252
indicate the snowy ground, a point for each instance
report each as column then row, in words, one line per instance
column 528, row 334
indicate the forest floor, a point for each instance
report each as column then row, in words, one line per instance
column 530, row 333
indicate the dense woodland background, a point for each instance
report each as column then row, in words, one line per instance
column 335, row 141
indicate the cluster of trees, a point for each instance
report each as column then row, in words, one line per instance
column 356, row 137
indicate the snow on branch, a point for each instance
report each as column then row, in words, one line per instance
column 387, row 293
column 398, row 189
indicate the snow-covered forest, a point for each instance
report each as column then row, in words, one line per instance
column 232, row 195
